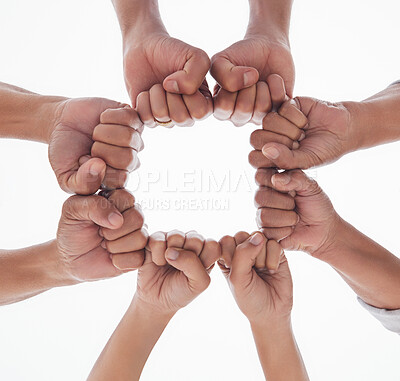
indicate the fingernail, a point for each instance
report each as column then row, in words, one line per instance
column 172, row 254
column 282, row 178
column 256, row 239
column 115, row 219
column 272, row 272
column 302, row 136
column 95, row 169
column 270, row 152
column 101, row 233
column 247, row 78
column 173, row 85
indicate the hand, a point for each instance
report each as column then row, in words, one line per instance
column 83, row 165
column 101, row 238
column 318, row 222
column 157, row 105
column 253, row 59
column 261, row 295
column 152, row 57
column 175, row 270
column 304, row 133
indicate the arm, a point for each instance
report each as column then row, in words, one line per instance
column 265, row 297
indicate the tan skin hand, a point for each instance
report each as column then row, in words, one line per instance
column 81, row 164
column 85, row 223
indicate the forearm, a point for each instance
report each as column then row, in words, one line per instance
column 126, row 353
column 138, row 17
column 278, row 352
column 375, row 120
column 270, row 17
column 369, row 269
column 27, row 272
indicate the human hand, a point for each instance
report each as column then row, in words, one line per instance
column 261, row 294
column 101, row 238
column 94, row 141
column 317, row 222
column 176, row 270
column 157, row 105
column 304, row 133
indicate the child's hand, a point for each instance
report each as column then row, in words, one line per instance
column 317, row 223
column 100, row 238
column 188, row 260
column 157, row 107
column 94, row 141
column 249, row 105
column 261, row 294
column 304, row 133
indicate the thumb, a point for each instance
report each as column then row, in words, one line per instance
column 233, row 78
column 190, row 264
column 286, row 158
column 86, row 180
column 296, row 181
column 188, row 80
column 93, row 208
column 245, row 257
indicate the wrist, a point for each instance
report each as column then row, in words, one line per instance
column 149, row 311
column 273, row 329
column 50, row 113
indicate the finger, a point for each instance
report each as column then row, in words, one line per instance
column 133, row 221
column 210, row 254
column 190, row 264
column 121, row 198
column 228, row 246
column 194, row 242
column 244, row 106
column 258, row 160
column 263, row 103
column 245, row 258
column 190, row 78
column 224, row 104
column 117, row 135
column 274, row 253
column 86, row 180
column 178, row 112
column 157, row 245
column 125, row 116
column 116, row 157
column 280, row 156
column 290, row 110
column 296, row 181
column 275, row 218
column 158, row 103
column 261, row 257
column 176, row 238
column 230, row 77
column 259, row 138
column 275, row 123
column 128, row 261
column 240, row 237
column 277, row 234
column 264, row 176
column 93, row 208
column 199, row 106
column 277, row 90
column 270, row 198
column 114, row 178
column 131, row 242
column 143, row 107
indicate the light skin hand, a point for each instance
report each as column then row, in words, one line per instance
column 174, row 109
column 161, row 292
column 101, row 238
column 151, row 56
column 264, row 50
column 266, row 299
column 106, row 137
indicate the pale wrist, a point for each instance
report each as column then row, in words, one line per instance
column 272, row 326
column 50, row 112
column 149, row 311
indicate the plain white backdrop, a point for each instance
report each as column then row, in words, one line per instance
column 343, row 50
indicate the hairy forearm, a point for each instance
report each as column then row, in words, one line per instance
column 27, row 272
column 278, row 352
column 26, row 115
column 369, row 269
column 375, row 120
column 270, row 17
column 138, row 17
column 126, row 353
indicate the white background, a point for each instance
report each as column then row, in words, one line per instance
column 343, row 50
